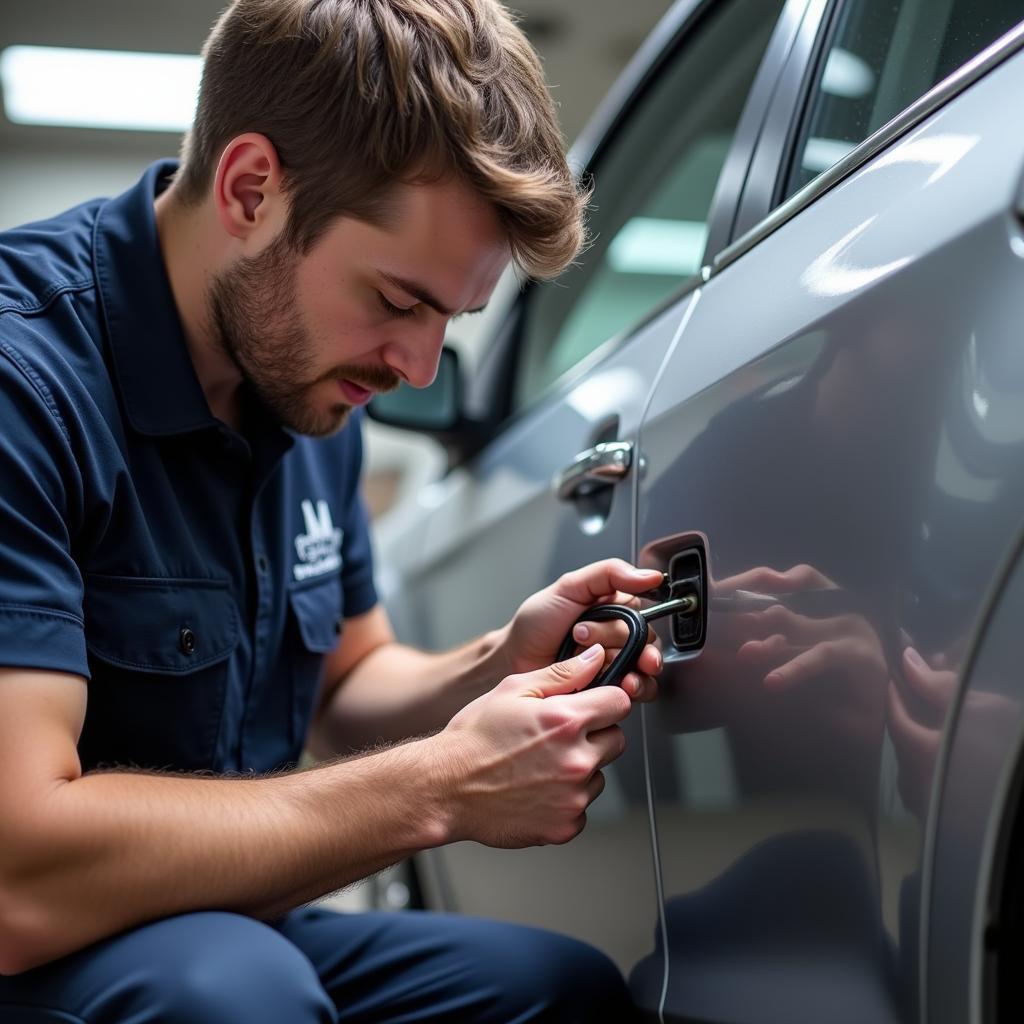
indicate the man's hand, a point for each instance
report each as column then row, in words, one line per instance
column 539, row 626
column 523, row 762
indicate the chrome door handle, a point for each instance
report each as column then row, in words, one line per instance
column 601, row 466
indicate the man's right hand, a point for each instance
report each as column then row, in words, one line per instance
column 524, row 760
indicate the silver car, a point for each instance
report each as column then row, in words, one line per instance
column 790, row 373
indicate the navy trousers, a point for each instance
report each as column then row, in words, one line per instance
column 316, row 966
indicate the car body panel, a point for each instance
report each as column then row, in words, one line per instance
column 843, row 419
column 976, row 778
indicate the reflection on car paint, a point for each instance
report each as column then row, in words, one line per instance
column 867, row 468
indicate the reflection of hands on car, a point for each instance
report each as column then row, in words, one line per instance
column 526, row 757
column 542, row 621
column 916, row 712
column 915, row 720
column 790, row 650
column 739, row 601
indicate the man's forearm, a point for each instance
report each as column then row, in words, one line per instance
column 110, row 850
column 396, row 692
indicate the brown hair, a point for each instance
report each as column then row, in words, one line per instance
column 358, row 95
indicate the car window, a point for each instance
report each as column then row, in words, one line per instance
column 653, row 188
column 884, row 55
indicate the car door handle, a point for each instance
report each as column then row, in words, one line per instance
column 602, row 466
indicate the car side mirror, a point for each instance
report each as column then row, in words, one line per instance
column 435, row 409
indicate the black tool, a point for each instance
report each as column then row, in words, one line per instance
column 636, row 620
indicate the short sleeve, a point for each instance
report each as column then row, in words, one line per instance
column 41, row 590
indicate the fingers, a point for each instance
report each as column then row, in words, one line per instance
column 610, row 635
column 773, row 581
column 640, row 684
column 597, row 708
column 805, row 665
column 613, row 635
column 916, row 744
column 587, row 585
column 593, row 789
column 563, row 676
column 916, row 749
column 934, row 686
column 593, row 710
column 650, row 661
column 800, row 629
column 641, row 689
column 774, row 650
column 609, row 745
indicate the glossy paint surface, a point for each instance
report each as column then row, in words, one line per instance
column 975, row 778
column 844, row 407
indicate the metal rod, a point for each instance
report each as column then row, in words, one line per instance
column 676, row 606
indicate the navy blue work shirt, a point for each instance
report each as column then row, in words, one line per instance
column 194, row 575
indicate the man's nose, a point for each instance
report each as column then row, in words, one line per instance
column 416, row 355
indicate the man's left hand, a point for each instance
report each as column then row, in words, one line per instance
column 539, row 626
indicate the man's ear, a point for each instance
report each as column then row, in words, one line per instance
column 247, row 190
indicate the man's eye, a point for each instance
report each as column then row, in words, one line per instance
column 392, row 310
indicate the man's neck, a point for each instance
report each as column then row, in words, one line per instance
column 190, row 260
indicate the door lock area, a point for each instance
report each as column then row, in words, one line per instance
column 682, row 598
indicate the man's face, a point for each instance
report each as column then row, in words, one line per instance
column 365, row 309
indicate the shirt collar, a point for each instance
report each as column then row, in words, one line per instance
column 153, row 369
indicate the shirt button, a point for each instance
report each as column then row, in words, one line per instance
column 262, row 564
column 187, row 640
column 338, row 623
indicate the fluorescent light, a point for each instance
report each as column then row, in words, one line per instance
column 100, row 88
column 820, row 154
column 657, row 245
column 847, row 75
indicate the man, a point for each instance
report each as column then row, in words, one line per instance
column 186, row 593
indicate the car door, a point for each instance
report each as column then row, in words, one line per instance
column 839, row 428
column 588, row 350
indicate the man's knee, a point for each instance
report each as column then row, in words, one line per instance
column 224, row 968
column 555, row 978
column 529, row 974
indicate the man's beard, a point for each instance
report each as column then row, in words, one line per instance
column 256, row 322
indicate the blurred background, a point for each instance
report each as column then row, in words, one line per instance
column 47, row 167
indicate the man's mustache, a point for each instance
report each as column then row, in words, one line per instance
column 373, row 378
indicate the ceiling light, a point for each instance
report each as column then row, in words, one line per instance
column 820, row 154
column 100, row 88
column 847, row 75
column 655, row 245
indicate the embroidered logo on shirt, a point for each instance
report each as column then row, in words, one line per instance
column 319, row 548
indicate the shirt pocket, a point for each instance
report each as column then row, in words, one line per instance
column 317, row 614
column 159, row 658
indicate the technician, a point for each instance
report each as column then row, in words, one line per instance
column 186, row 592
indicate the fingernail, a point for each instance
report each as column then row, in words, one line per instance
column 658, row 660
column 913, row 657
column 580, row 632
column 592, row 653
